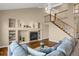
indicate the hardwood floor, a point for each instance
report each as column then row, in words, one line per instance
column 35, row 44
column 3, row 51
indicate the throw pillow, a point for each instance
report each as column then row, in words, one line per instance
column 65, row 47
column 25, row 47
column 35, row 52
column 16, row 49
column 55, row 53
column 19, row 51
column 47, row 50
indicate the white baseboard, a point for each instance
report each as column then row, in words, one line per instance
column 3, row 46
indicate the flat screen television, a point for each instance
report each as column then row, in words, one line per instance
column 33, row 35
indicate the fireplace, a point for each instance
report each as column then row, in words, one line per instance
column 33, row 35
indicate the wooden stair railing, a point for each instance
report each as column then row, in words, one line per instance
column 62, row 25
column 57, row 20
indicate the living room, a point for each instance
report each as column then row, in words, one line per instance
column 27, row 23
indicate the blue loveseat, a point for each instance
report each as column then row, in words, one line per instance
column 63, row 48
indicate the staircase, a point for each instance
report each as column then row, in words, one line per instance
column 64, row 26
column 69, row 30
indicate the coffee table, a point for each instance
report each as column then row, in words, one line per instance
column 39, row 48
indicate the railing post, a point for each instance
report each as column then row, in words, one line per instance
column 55, row 17
column 50, row 17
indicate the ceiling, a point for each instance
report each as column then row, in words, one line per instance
column 7, row 6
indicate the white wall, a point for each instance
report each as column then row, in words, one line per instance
column 45, row 31
column 56, row 34
column 26, row 15
column 0, row 29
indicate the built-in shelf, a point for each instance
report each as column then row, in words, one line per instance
column 21, row 32
column 11, row 28
column 23, row 42
column 12, row 35
column 12, row 23
column 32, row 29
